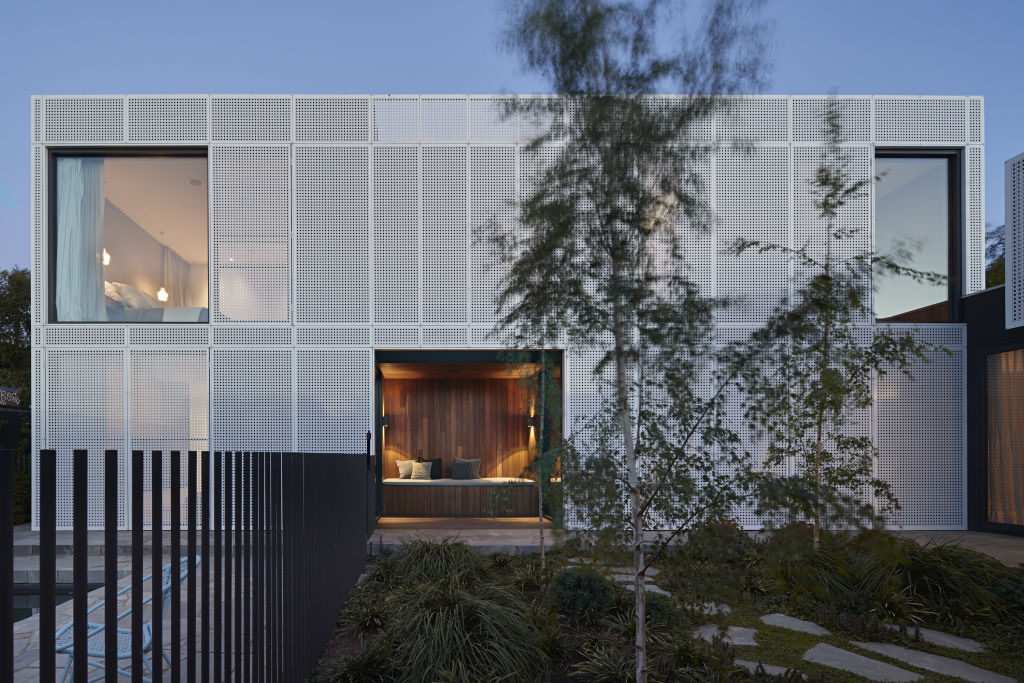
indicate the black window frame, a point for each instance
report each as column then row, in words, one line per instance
column 956, row 253
column 55, row 153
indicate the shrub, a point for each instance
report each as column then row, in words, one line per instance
column 362, row 614
column 437, row 624
column 661, row 610
column 419, row 560
column 582, row 594
column 369, row 665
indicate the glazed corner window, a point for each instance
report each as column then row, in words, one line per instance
column 130, row 239
column 914, row 220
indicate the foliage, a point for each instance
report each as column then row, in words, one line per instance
column 420, row 560
column 16, row 330
column 804, row 396
column 582, row 594
column 995, row 255
column 717, row 562
column 369, row 665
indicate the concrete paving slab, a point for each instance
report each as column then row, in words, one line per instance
column 794, row 624
column 752, row 667
column 872, row 669
column 937, row 663
column 942, row 639
column 711, row 608
column 734, row 635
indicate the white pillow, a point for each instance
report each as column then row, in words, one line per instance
column 420, row 470
column 129, row 296
column 404, row 468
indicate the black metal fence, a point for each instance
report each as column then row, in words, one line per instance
column 271, row 547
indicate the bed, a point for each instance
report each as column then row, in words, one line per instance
column 446, row 497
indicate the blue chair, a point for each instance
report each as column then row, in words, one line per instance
column 95, row 635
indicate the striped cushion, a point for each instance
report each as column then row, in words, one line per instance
column 420, row 470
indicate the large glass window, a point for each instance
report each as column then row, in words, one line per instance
column 1005, row 434
column 912, row 227
column 130, row 239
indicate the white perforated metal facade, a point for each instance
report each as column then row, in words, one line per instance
column 1014, row 234
column 344, row 224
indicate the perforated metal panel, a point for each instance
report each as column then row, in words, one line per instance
column 251, row 336
column 920, row 120
column 169, row 335
column 38, row 419
column 161, row 118
column 83, row 119
column 37, row 119
column 335, row 400
column 396, row 337
column 168, row 410
column 396, row 239
column 443, row 119
column 251, row 118
column 492, row 191
column 445, row 337
column 332, row 234
column 396, row 119
column 85, row 408
column 976, row 120
column 535, row 121
column 444, row 235
column 249, row 221
column 38, row 238
column 809, row 119
column 332, row 119
column 1014, row 235
column 492, row 119
column 585, row 394
column 332, row 336
column 85, row 335
column 920, row 426
column 753, row 202
column 757, row 119
column 975, row 281
column 251, row 399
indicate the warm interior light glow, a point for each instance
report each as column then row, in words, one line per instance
column 162, row 294
column 106, row 257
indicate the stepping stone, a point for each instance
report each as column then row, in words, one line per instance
column 872, row 669
column 651, row 588
column 794, row 624
column 734, row 635
column 752, row 667
column 937, row 663
column 651, row 572
column 942, row 639
column 711, row 608
column 626, row 578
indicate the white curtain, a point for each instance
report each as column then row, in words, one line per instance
column 175, row 278
column 80, row 200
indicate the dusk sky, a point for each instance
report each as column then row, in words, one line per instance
column 919, row 47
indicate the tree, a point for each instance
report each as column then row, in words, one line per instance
column 995, row 255
column 16, row 329
column 599, row 256
column 802, row 396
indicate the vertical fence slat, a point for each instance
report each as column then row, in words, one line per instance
column 47, row 563
column 218, row 499
column 176, row 566
column 7, row 566
column 80, row 540
column 239, row 531
column 275, row 566
column 137, row 548
column 110, row 500
column 228, row 521
column 204, row 634
column 258, row 628
column 246, row 578
column 156, row 495
column 190, row 610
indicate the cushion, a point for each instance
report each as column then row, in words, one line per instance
column 464, row 470
column 435, row 467
column 404, row 468
column 475, row 471
column 420, row 470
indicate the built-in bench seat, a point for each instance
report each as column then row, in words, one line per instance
column 483, row 497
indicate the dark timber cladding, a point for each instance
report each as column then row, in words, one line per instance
column 984, row 314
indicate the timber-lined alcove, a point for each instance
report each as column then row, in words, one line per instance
column 471, row 406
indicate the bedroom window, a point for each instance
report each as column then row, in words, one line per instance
column 129, row 237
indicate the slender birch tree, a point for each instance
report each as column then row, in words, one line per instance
column 599, row 256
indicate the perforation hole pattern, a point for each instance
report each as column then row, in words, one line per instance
column 756, row 119
column 250, row 336
column 83, row 119
column 85, row 335
column 167, row 119
column 976, row 120
column 332, row 119
column 334, row 394
column 809, row 119
column 192, row 335
column 251, row 399
column 444, row 235
column 445, row 336
column 85, row 396
column 444, row 119
column 37, row 234
column 37, row 119
column 906, row 120
column 251, row 119
column 492, row 120
column 975, row 219
column 332, row 234
column 396, row 337
column 492, row 191
column 396, row 119
column 332, row 336
column 1015, row 241
column 396, row 277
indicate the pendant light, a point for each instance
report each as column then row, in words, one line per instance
column 161, row 293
